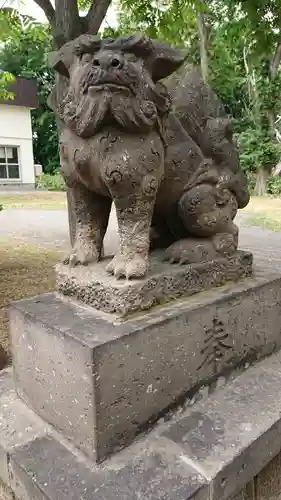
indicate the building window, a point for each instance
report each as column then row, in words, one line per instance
column 9, row 163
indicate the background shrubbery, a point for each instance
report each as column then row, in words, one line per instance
column 51, row 182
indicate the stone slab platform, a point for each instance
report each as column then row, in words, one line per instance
column 209, row 451
column 92, row 285
column 101, row 380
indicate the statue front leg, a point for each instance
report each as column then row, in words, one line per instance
column 134, row 208
column 91, row 212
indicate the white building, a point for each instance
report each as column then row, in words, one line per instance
column 17, row 169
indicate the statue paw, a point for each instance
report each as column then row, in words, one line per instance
column 129, row 268
column 82, row 255
column 190, row 251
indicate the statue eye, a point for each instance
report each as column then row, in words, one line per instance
column 86, row 58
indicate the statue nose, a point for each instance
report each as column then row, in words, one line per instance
column 105, row 61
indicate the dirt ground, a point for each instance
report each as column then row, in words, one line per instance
column 24, row 271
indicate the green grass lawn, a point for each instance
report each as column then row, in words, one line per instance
column 264, row 212
column 41, row 200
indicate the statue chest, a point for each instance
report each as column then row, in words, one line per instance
column 91, row 160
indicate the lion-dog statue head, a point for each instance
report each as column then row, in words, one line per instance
column 115, row 81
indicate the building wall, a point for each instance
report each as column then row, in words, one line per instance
column 15, row 130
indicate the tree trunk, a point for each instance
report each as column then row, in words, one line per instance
column 276, row 61
column 262, row 176
column 276, row 171
column 273, row 73
column 203, row 44
column 96, row 15
column 68, row 23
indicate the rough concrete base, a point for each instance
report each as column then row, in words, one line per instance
column 92, row 285
column 101, row 381
column 6, row 493
column 210, row 451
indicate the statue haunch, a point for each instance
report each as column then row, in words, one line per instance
column 163, row 154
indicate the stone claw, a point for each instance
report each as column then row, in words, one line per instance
column 73, row 260
column 83, row 256
column 66, row 260
column 111, row 266
column 128, row 268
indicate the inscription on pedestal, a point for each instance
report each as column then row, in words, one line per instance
column 216, row 343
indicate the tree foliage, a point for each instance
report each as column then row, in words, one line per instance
column 173, row 22
column 6, row 79
column 25, row 54
column 8, row 23
column 243, row 45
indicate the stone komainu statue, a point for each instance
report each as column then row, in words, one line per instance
column 163, row 154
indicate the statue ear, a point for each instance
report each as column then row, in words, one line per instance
column 56, row 62
column 62, row 59
column 165, row 60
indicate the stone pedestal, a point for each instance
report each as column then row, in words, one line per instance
column 212, row 450
column 102, row 405
column 101, row 380
column 92, row 285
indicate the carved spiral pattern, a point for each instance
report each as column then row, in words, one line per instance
column 149, row 186
column 113, row 176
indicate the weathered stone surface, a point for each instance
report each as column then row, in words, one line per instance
column 211, row 452
column 23, row 484
column 6, row 493
column 101, row 380
column 6, row 381
column 47, row 467
column 235, row 433
column 123, row 142
column 18, row 424
column 92, row 285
